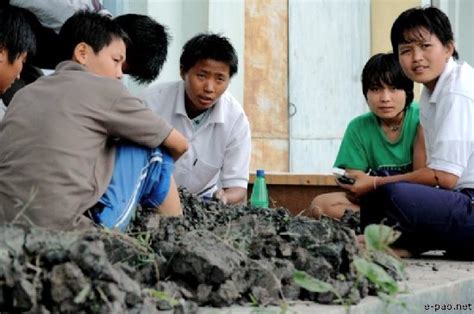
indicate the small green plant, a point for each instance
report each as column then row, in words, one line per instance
column 144, row 239
column 83, row 295
column 312, row 284
column 378, row 238
column 253, row 300
column 376, row 275
column 162, row 296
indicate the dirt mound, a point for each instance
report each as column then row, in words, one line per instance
column 237, row 254
column 215, row 255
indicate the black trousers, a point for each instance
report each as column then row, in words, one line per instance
column 428, row 218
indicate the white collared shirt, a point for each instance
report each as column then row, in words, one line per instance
column 219, row 149
column 53, row 13
column 447, row 116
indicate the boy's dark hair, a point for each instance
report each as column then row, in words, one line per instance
column 94, row 29
column 148, row 47
column 410, row 21
column 16, row 35
column 385, row 68
column 208, row 46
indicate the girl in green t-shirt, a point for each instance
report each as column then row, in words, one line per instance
column 388, row 139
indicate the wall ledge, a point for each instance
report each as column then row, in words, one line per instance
column 289, row 178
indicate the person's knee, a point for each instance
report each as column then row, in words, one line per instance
column 393, row 202
column 171, row 205
column 379, row 199
column 332, row 205
column 316, row 208
column 393, row 190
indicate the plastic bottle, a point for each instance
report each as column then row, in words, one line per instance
column 259, row 197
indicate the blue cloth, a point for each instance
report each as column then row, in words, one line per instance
column 141, row 175
column 429, row 218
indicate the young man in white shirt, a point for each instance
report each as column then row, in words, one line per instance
column 217, row 164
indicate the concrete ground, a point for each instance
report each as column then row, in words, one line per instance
column 434, row 285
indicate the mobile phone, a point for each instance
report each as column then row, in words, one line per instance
column 345, row 180
column 341, row 176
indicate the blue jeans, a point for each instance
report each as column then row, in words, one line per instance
column 141, row 176
column 429, row 218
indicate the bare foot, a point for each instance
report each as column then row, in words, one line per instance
column 402, row 253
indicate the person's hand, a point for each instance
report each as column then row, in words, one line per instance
column 220, row 196
column 362, row 185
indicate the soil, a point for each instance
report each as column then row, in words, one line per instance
column 215, row 255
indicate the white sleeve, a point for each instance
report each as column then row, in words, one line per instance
column 235, row 171
column 453, row 143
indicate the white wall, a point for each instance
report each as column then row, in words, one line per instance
column 186, row 18
column 170, row 14
column 460, row 13
column 329, row 43
column 228, row 18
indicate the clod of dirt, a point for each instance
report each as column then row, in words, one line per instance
column 46, row 271
column 352, row 220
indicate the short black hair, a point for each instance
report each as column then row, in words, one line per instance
column 208, row 46
column 148, row 46
column 94, row 29
column 16, row 35
column 411, row 20
column 385, row 68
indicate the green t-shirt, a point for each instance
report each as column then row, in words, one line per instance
column 365, row 145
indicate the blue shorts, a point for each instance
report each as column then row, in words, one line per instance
column 141, row 176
